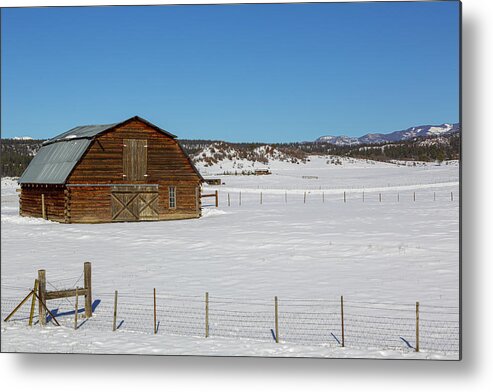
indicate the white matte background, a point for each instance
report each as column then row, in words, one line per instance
column 474, row 373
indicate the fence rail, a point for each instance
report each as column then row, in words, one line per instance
column 330, row 322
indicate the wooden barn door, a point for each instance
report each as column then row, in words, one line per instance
column 148, row 209
column 134, row 203
column 134, row 159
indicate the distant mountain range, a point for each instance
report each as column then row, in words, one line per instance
column 396, row 136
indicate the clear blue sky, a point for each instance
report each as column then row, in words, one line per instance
column 287, row 72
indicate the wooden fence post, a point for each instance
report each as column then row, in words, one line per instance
column 197, row 199
column 344, row 196
column 417, row 327
column 342, row 321
column 240, row 198
column 380, row 197
column 363, row 196
column 88, row 289
column 414, row 196
column 47, row 310
column 76, row 306
column 260, row 197
column 67, row 205
column 398, row 197
column 217, row 198
column 115, row 306
column 43, row 207
column 42, row 306
column 434, row 196
column 42, row 296
column 33, row 303
column 276, row 318
column 323, row 197
column 304, row 198
column 26, row 298
column 229, row 201
column 286, row 196
column 206, row 314
column 451, row 196
column 155, row 315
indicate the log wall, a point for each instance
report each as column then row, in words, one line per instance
column 89, row 204
column 30, row 201
column 99, row 200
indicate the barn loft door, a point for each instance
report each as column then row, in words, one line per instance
column 134, row 159
column 134, row 203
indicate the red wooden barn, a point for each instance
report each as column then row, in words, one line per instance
column 129, row 171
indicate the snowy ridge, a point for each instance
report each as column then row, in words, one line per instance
column 243, row 159
column 339, row 140
column 396, row 136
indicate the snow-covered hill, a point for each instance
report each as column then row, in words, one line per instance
column 339, row 140
column 224, row 157
column 406, row 134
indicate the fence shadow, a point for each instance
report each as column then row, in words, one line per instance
column 56, row 313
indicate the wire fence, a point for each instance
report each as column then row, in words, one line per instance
column 247, row 197
column 435, row 182
column 330, row 322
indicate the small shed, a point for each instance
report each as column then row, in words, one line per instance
column 213, row 181
column 262, row 172
column 127, row 171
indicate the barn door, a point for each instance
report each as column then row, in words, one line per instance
column 124, row 206
column 134, row 203
column 134, row 159
column 148, row 206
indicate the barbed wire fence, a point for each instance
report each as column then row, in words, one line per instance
column 332, row 322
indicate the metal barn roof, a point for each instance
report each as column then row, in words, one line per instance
column 54, row 162
column 84, row 131
column 58, row 156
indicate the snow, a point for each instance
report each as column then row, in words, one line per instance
column 22, row 138
column 388, row 253
column 339, row 140
column 349, row 174
column 439, row 130
column 219, row 154
column 66, row 340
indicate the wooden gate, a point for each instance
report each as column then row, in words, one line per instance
column 134, row 203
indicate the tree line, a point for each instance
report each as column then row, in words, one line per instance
column 17, row 154
column 426, row 149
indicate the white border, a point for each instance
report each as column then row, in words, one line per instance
column 474, row 373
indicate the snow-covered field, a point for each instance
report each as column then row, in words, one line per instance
column 398, row 245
